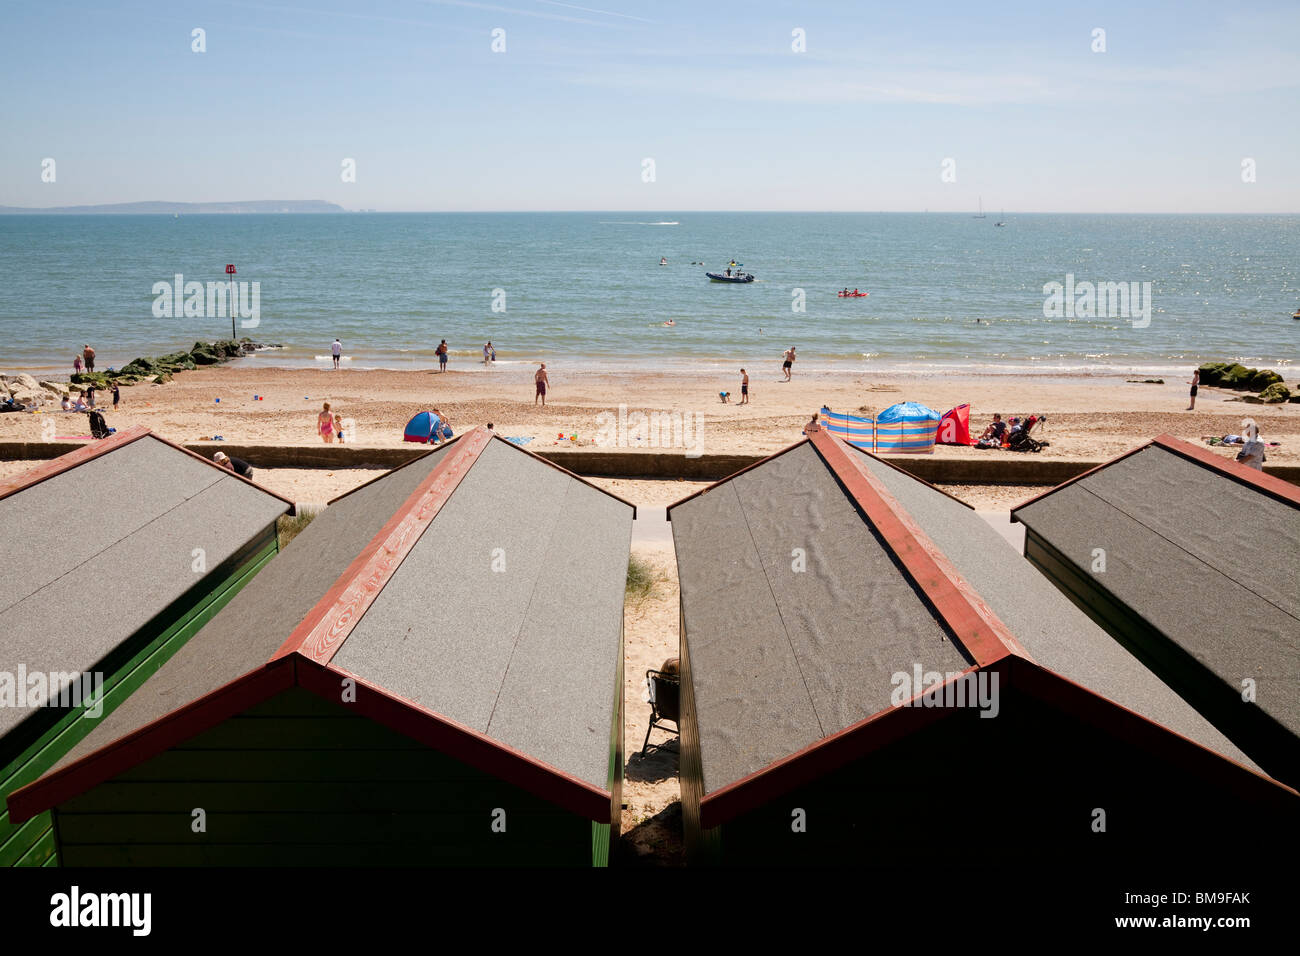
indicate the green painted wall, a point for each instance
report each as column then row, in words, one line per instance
column 299, row 781
column 32, row 843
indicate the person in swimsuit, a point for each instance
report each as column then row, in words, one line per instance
column 89, row 355
column 442, row 355
column 1196, row 380
column 542, row 381
column 789, row 360
column 336, row 350
column 338, row 427
column 744, row 387
column 325, row 422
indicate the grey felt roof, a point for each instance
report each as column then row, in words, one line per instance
column 1055, row 633
column 782, row 658
column 98, row 551
column 248, row 630
column 507, row 614
column 526, row 655
column 1211, row 563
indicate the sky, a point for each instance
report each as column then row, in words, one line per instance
column 896, row 107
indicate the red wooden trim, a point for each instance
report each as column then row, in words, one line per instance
column 293, row 506
column 70, row 460
column 1079, row 477
column 148, row 741
column 899, row 468
column 1260, row 481
column 79, row 456
column 823, row 756
column 573, row 475
column 456, row 740
column 327, row 625
column 971, row 621
column 1064, row 694
column 723, row 481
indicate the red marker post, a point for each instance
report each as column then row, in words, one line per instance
column 230, row 271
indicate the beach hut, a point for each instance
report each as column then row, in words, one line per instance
column 115, row 554
column 871, row 674
column 1192, row 563
column 431, row 673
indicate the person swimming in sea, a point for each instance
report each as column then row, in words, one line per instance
column 670, row 323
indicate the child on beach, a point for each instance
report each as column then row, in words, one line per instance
column 744, row 387
column 325, row 423
column 724, row 396
column 789, row 361
column 76, row 365
column 117, row 395
column 338, row 427
column 1196, row 380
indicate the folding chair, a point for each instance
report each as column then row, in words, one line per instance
column 665, row 693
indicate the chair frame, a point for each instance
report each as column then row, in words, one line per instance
column 657, row 717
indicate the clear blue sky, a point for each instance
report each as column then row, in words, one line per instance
column 733, row 118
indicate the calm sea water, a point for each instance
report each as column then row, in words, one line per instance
column 589, row 287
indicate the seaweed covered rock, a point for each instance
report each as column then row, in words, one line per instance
column 1275, row 394
column 1263, row 379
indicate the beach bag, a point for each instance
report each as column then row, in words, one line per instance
column 98, row 427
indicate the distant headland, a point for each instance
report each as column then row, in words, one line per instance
column 180, row 208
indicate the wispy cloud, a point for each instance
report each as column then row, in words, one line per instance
column 516, row 11
column 608, row 13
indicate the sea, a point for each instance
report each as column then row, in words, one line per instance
column 949, row 294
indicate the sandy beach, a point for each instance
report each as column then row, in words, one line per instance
column 1089, row 417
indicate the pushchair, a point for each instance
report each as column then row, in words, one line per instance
column 1020, row 437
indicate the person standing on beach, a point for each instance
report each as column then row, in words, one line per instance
column 338, row 427
column 487, row 353
column 1252, row 449
column 117, row 396
column 337, row 351
column 1196, row 380
column 325, row 423
column 89, row 355
column 76, row 365
column 789, row 361
column 542, row 381
column 744, row 387
column 441, row 352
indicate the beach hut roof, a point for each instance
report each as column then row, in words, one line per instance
column 1214, row 547
column 792, row 672
column 101, row 541
column 471, row 599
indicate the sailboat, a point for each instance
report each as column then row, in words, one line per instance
column 1002, row 219
column 981, row 212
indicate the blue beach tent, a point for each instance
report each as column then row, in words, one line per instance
column 908, row 427
column 425, row 428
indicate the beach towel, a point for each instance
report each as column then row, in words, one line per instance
column 954, row 426
column 520, row 439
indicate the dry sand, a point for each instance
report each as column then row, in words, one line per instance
column 1089, row 417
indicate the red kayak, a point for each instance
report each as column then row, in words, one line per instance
column 853, row 295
